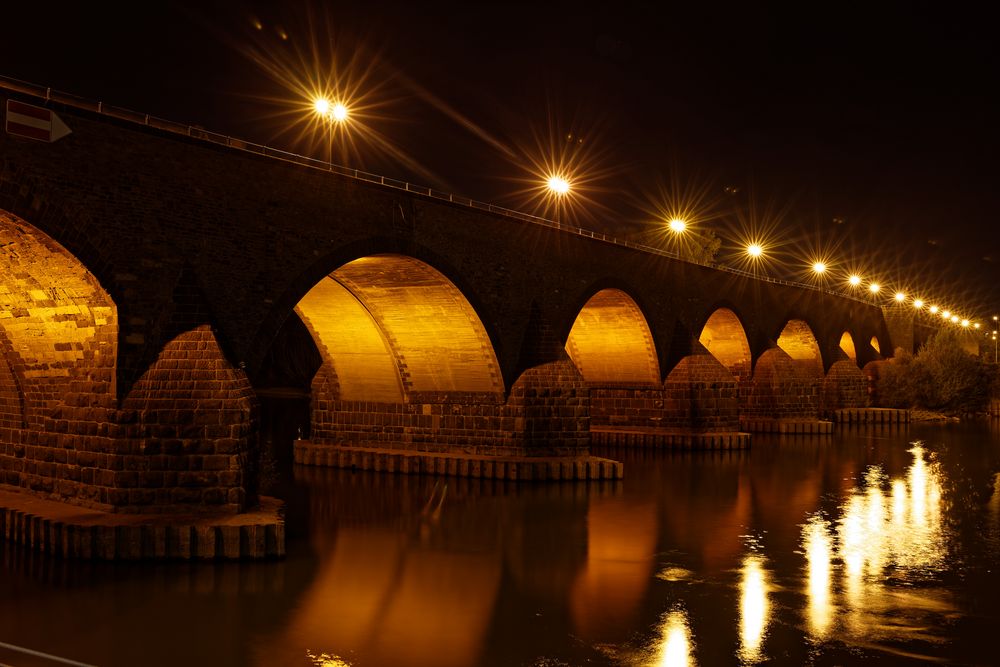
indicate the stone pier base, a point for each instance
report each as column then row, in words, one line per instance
column 788, row 426
column 665, row 439
column 523, row 468
column 870, row 416
column 70, row 531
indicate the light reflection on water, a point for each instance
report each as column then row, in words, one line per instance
column 860, row 551
column 888, row 531
column 754, row 609
column 676, row 643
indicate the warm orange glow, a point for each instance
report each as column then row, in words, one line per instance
column 946, row 314
column 677, row 225
column 798, row 341
column 918, row 303
column 965, row 323
column 976, row 325
column 378, row 314
column 724, row 337
column 558, row 185
column 819, row 267
column 847, row 345
column 611, row 342
column 934, row 310
column 339, row 112
column 874, row 288
column 954, row 319
column 854, row 280
column 755, row 250
column 321, row 106
column 874, row 343
column 900, row 297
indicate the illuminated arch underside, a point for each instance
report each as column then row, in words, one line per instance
column 798, row 341
column 610, row 341
column 60, row 325
column 874, row 343
column 391, row 325
column 723, row 336
column 847, row 345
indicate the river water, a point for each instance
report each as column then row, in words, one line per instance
column 867, row 546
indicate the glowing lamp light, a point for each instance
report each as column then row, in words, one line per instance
column 677, row 225
column 976, row 325
column 854, row 280
column 918, row 303
column 900, row 297
column 321, row 106
column 819, row 267
column 339, row 112
column 934, row 310
column 874, row 288
column 954, row 319
column 965, row 323
column 755, row 250
column 558, row 185
column 946, row 314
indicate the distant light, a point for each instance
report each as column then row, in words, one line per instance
column 965, row 323
column 918, row 303
column 558, row 185
column 819, row 267
column 874, row 288
column 934, row 310
column 677, row 225
column 322, row 106
column 339, row 112
column 900, row 297
column 954, row 319
column 755, row 250
column 976, row 325
column 854, row 280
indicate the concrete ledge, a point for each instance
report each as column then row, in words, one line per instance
column 649, row 437
column 788, row 426
column 870, row 416
column 76, row 532
column 513, row 468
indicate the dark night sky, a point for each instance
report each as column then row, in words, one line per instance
column 871, row 133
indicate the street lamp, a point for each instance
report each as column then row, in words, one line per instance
column 557, row 185
column 900, row 297
column 755, row 250
column 874, row 288
column 677, row 226
column 854, row 280
column 918, row 303
column 933, row 310
column 333, row 113
column 819, row 268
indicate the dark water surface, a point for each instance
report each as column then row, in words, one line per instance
column 862, row 547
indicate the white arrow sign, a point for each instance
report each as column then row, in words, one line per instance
column 27, row 120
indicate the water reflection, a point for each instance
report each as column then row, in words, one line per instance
column 819, row 553
column 754, row 609
column 890, row 531
column 676, row 645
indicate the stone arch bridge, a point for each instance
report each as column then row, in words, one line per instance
column 157, row 289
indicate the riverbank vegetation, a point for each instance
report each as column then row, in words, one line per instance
column 941, row 377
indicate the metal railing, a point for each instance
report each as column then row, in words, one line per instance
column 202, row 134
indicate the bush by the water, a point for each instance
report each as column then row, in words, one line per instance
column 942, row 376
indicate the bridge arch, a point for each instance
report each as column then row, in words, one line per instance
column 59, row 326
column 799, row 342
column 611, row 342
column 847, row 346
column 725, row 337
column 391, row 328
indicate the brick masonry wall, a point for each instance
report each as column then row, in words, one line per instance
column 182, row 440
column 779, row 390
column 190, row 429
column 845, row 386
column 545, row 414
column 699, row 395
